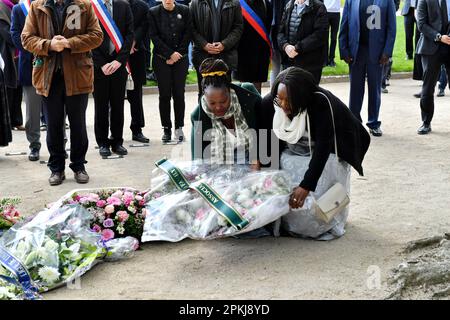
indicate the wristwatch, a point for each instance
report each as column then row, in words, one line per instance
column 438, row 37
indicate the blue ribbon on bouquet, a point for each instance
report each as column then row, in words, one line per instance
column 14, row 265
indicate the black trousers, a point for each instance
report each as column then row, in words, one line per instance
column 14, row 96
column 431, row 71
column 171, row 84
column 333, row 25
column 136, row 108
column 109, row 96
column 409, row 21
column 75, row 107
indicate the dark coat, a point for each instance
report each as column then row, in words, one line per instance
column 253, row 50
column 430, row 23
column 25, row 57
column 123, row 17
column 311, row 36
column 250, row 102
column 352, row 138
column 7, row 48
column 278, row 7
column 231, row 28
column 167, row 38
column 5, row 125
column 137, row 60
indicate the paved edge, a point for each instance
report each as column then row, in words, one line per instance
column 326, row 79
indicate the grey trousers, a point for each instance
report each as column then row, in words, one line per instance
column 33, row 103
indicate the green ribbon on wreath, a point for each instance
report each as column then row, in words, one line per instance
column 231, row 215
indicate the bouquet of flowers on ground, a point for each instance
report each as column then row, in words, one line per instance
column 192, row 171
column 115, row 213
column 54, row 248
column 9, row 215
column 259, row 198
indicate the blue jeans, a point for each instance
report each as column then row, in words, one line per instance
column 359, row 70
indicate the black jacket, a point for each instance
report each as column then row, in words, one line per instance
column 278, row 7
column 137, row 60
column 169, row 38
column 7, row 48
column 311, row 36
column 352, row 138
column 429, row 23
column 123, row 17
column 231, row 28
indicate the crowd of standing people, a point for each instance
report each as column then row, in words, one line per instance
column 55, row 53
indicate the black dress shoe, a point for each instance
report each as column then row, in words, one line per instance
column 120, row 150
column 140, row 138
column 441, row 93
column 104, row 151
column 34, row 155
column 332, row 64
column 376, row 132
column 167, row 136
column 417, row 95
column 424, row 129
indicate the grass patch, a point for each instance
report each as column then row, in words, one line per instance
column 399, row 54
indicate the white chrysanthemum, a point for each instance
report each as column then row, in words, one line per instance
column 42, row 253
column 5, row 294
column 49, row 274
column 221, row 221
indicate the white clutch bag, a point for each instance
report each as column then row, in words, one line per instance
column 130, row 83
column 336, row 198
column 331, row 202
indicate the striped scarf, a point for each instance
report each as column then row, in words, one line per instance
column 223, row 142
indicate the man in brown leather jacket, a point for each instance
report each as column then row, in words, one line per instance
column 61, row 34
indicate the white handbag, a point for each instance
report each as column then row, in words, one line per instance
column 336, row 198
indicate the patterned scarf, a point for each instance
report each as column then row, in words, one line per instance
column 223, row 142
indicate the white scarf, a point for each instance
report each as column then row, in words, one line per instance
column 289, row 130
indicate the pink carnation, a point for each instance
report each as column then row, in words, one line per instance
column 109, row 209
column 138, row 198
column 101, row 203
column 122, row 216
column 107, row 234
column 257, row 202
column 117, row 194
column 268, row 183
column 200, row 214
column 141, row 203
column 96, row 228
column 114, row 201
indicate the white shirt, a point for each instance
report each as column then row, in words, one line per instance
column 333, row 5
column 2, row 64
column 112, row 6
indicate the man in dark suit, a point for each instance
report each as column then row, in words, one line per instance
column 409, row 21
column 433, row 21
column 110, row 79
column 366, row 42
column 137, row 64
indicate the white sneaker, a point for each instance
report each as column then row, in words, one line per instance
column 179, row 135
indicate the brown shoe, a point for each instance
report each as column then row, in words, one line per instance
column 19, row 128
column 81, row 176
column 56, row 178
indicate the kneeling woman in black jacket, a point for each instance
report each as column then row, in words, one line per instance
column 308, row 117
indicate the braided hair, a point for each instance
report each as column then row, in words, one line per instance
column 214, row 73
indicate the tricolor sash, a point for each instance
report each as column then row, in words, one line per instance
column 109, row 25
column 25, row 6
column 231, row 215
column 255, row 21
